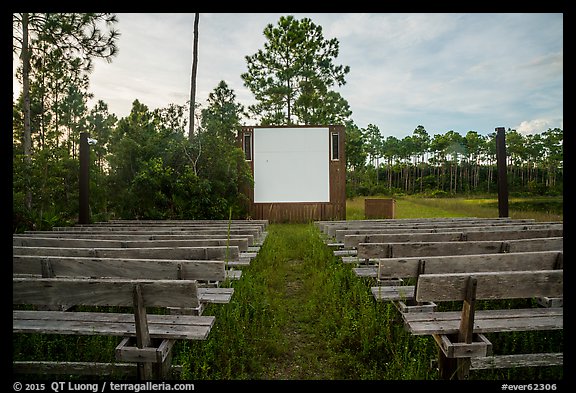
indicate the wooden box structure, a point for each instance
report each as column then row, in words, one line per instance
column 299, row 172
column 379, row 208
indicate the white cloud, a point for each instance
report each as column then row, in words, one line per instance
column 538, row 126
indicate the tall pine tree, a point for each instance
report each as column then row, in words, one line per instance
column 293, row 76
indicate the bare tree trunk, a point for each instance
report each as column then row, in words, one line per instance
column 422, row 169
column 193, row 78
column 25, row 55
column 390, row 174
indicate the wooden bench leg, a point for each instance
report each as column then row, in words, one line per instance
column 162, row 369
column 158, row 357
column 446, row 366
column 463, row 368
column 453, row 368
column 459, row 367
column 465, row 333
column 143, row 340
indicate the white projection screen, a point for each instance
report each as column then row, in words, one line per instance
column 291, row 165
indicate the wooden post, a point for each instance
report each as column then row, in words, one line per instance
column 446, row 366
column 459, row 368
column 84, row 181
column 421, row 270
column 502, row 176
column 466, row 331
column 145, row 371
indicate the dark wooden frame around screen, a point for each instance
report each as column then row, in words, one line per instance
column 335, row 209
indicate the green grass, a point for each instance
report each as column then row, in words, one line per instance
column 310, row 319
column 537, row 208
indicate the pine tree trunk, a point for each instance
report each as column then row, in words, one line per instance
column 25, row 56
column 193, row 77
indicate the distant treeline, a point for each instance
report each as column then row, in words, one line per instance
column 451, row 163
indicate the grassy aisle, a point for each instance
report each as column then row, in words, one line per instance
column 289, row 263
column 299, row 313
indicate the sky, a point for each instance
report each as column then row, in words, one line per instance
column 443, row 71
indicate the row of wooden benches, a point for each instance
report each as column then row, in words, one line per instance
column 166, row 287
column 416, row 274
column 337, row 230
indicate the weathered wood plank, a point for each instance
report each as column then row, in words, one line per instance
column 168, row 223
column 392, row 250
column 518, row 360
column 543, row 244
column 163, row 230
column 345, row 252
column 324, row 224
column 406, row 221
column 254, row 238
column 352, row 260
column 159, row 269
column 158, row 352
column 424, row 224
column 75, row 368
column 491, row 285
column 340, row 234
column 179, row 223
column 112, row 370
column 393, row 293
column 351, row 241
column 479, row 346
column 490, row 314
column 366, row 272
column 103, row 292
column 216, row 253
column 486, row 321
column 408, row 267
column 131, row 236
column 215, row 295
column 185, row 327
column 240, row 263
column 233, row 274
column 36, row 241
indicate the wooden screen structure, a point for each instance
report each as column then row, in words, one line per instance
column 299, row 172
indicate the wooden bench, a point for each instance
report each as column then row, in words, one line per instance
column 131, row 236
column 208, row 274
column 37, row 241
column 231, row 255
column 262, row 224
column 254, row 244
column 372, row 252
column 256, row 233
column 454, row 235
column 460, row 335
column 393, row 271
column 340, row 234
column 172, row 229
column 146, row 339
column 331, row 228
